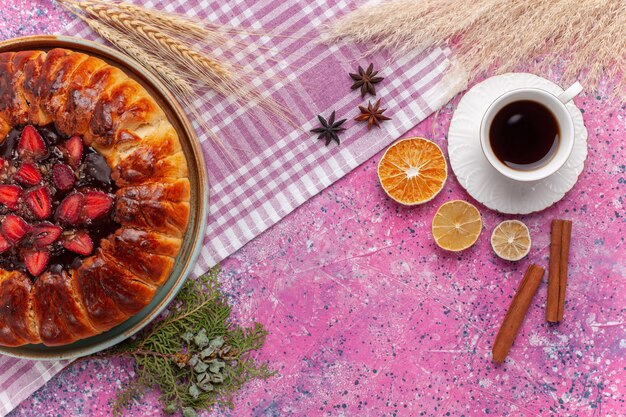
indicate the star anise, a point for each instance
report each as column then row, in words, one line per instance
column 366, row 80
column 372, row 114
column 330, row 129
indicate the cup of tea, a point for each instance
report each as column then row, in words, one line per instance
column 527, row 134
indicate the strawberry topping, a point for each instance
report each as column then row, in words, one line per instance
column 9, row 195
column 70, row 208
column 36, row 261
column 31, row 144
column 45, row 234
column 39, row 201
column 28, row 174
column 14, row 228
column 56, row 199
column 78, row 242
column 4, row 244
column 63, row 177
column 74, row 151
column 97, row 204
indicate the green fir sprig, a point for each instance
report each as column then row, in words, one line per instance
column 196, row 357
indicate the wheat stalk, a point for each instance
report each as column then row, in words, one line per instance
column 172, row 22
column 174, row 48
column 156, row 38
column 186, row 27
column 118, row 39
column 168, row 21
column 178, row 83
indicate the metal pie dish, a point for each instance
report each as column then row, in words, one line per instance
column 192, row 242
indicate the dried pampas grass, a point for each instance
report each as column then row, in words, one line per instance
column 586, row 38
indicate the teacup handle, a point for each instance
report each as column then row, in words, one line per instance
column 567, row 95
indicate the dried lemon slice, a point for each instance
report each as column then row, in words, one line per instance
column 510, row 240
column 413, row 171
column 456, row 225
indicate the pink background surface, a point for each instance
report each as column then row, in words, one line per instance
column 368, row 317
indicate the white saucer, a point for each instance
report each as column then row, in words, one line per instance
column 480, row 179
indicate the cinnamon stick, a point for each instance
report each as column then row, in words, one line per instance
column 557, row 272
column 566, row 237
column 516, row 313
column 552, row 303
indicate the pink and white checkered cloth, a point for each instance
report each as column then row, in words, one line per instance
column 269, row 172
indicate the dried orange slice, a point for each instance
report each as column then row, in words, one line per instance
column 510, row 240
column 412, row 171
column 456, row 225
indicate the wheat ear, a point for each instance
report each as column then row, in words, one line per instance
column 117, row 38
column 128, row 22
column 205, row 70
column 175, row 48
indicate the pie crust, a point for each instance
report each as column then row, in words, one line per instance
column 85, row 96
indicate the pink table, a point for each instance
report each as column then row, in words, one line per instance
column 368, row 317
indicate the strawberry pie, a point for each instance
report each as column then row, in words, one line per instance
column 94, row 197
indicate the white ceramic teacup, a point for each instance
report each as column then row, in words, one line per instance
column 556, row 105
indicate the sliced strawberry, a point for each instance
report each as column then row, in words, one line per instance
column 63, row 177
column 14, row 228
column 31, row 144
column 70, row 208
column 9, row 195
column 78, row 242
column 4, row 244
column 39, row 201
column 36, row 261
column 97, row 204
column 28, row 174
column 45, row 234
column 74, row 148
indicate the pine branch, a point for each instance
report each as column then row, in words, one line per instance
column 196, row 357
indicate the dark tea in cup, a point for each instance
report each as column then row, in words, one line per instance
column 527, row 134
column 524, row 135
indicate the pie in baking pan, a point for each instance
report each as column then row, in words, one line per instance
column 94, row 197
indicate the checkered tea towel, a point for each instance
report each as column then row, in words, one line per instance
column 269, row 171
